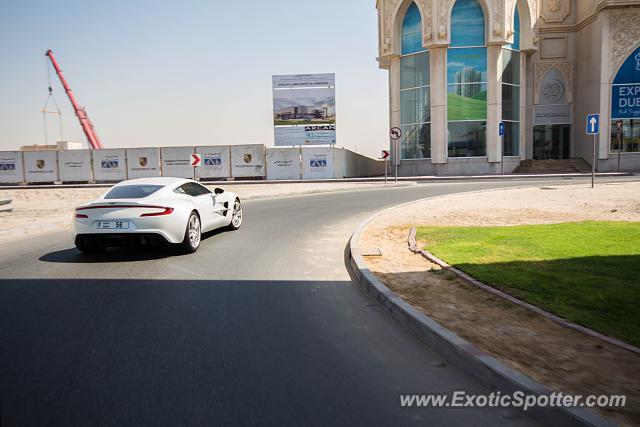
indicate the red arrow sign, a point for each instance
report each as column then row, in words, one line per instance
column 385, row 154
column 196, row 159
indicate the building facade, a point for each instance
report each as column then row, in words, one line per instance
column 458, row 69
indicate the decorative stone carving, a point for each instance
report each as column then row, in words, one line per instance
column 427, row 21
column 444, row 9
column 389, row 8
column 498, row 16
column 556, row 11
column 624, row 33
column 564, row 67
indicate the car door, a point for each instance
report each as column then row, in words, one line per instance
column 203, row 201
column 219, row 207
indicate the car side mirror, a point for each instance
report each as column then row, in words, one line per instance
column 218, row 191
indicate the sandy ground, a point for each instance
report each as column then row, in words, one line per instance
column 558, row 357
column 37, row 211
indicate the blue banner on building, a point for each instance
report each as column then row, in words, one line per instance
column 625, row 99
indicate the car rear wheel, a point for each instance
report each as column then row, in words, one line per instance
column 192, row 234
column 236, row 215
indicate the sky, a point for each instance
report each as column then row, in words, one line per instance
column 161, row 73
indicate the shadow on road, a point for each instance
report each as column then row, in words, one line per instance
column 119, row 254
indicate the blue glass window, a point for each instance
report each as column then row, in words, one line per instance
column 467, row 24
column 625, row 106
column 412, row 31
column 516, row 31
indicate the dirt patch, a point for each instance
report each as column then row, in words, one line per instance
column 562, row 359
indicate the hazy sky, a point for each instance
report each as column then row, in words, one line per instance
column 186, row 73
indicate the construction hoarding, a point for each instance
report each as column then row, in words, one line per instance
column 11, row 170
column 247, row 160
column 143, row 162
column 176, row 161
column 283, row 163
column 216, row 162
column 40, row 166
column 109, row 165
column 74, row 165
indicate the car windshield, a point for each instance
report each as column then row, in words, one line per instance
column 132, row 191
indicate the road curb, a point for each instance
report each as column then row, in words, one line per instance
column 485, row 368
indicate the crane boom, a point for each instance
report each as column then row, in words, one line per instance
column 85, row 122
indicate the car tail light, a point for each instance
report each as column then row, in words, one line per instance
column 79, row 215
column 166, row 211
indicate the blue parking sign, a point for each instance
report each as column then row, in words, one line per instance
column 593, row 124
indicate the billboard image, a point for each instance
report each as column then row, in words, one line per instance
column 304, row 109
column 304, row 106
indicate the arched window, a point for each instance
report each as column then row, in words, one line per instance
column 467, row 81
column 625, row 106
column 511, row 92
column 415, row 113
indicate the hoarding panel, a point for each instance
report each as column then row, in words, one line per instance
column 247, row 160
column 74, row 165
column 317, row 163
column 283, row 163
column 40, row 166
column 143, row 162
column 216, row 162
column 176, row 161
column 109, row 164
column 11, row 170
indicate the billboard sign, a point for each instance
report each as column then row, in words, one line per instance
column 143, row 162
column 176, row 161
column 109, row 164
column 304, row 109
column 216, row 162
column 11, row 170
column 40, row 166
column 74, row 165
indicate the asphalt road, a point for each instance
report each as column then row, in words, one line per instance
column 261, row 326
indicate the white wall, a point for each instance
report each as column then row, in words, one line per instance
column 176, row 161
column 216, row 162
column 109, row 165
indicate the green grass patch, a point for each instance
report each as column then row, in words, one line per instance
column 587, row 272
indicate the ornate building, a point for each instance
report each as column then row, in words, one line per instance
column 460, row 68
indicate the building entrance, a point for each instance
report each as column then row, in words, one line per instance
column 551, row 142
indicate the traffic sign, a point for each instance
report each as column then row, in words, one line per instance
column 395, row 133
column 385, row 154
column 501, row 129
column 593, row 124
column 196, row 160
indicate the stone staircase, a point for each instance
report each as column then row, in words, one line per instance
column 553, row 166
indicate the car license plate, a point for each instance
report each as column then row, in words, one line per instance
column 113, row 225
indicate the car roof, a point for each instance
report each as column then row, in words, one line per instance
column 164, row 181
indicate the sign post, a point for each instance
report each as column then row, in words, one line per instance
column 385, row 157
column 395, row 133
column 593, row 128
column 501, row 134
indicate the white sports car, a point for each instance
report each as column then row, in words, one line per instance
column 150, row 210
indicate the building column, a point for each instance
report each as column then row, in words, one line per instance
column 439, row 128
column 494, row 103
column 394, row 102
column 524, row 124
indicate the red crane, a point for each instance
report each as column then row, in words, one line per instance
column 85, row 122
